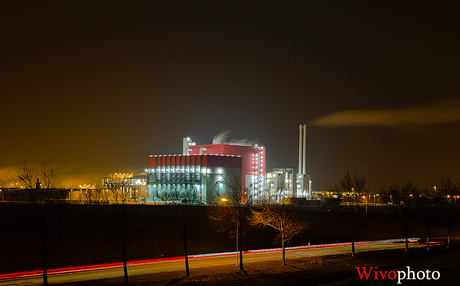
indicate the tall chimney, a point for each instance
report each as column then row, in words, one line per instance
column 300, row 149
column 304, row 143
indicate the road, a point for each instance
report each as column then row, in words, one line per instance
column 113, row 270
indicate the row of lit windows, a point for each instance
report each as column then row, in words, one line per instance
column 160, row 185
column 204, row 170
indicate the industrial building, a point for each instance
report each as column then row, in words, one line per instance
column 200, row 173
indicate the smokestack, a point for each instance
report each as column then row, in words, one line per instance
column 300, row 149
column 304, row 143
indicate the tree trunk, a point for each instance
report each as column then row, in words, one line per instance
column 284, row 249
column 353, row 245
column 125, row 266
column 428, row 238
column 45, row 265
column 406, row 232
column 353, row 234
column 448, row 239
column 240, row 244
column 353, row 242
column 187, row 269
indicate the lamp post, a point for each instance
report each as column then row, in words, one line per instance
column 225, row 200
column 365, row 198
column 237, row 242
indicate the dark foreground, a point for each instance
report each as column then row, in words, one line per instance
column 328, row 270
column 81, row 243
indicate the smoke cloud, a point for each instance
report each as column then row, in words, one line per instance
column 440, row 112
column 222, row 138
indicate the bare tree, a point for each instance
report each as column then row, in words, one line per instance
column 404, row 205
column 49, row 207
column 25, row 177
column 95, row 195
column 119, row 196
column 119, row 190
column 234, row 216
column 283, row 219
column 89, row 197
column 120, row 223
column 353, row 208
column 186, row 220
column 428, row 209
column 450, row 208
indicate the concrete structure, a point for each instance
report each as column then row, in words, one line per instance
column 192, row 178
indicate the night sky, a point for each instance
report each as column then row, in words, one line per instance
column 94, row 87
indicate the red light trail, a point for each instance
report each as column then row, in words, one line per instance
column 74, row 269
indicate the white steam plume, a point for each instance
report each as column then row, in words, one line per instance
column 221, row 138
